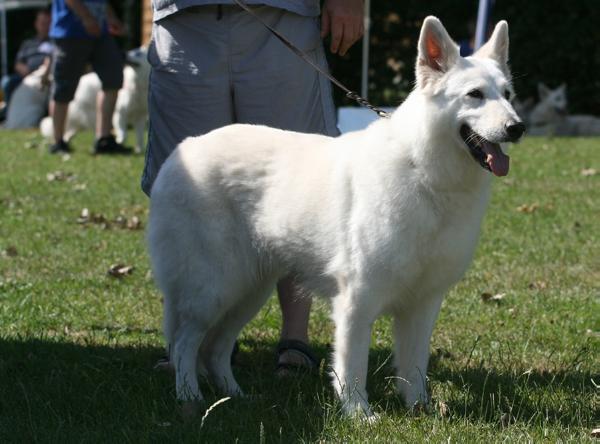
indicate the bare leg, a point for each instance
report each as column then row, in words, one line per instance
column 59, row 117
column 295, row 310
column 412, row 334
column 105, row 106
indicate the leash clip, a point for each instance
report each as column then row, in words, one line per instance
column 363, row 102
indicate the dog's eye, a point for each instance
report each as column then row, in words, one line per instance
column 475, row 93
column 507, row 95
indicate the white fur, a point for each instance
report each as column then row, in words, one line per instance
column 383, row 220
column 550, row 117
column 29, row 102
column 131, row 107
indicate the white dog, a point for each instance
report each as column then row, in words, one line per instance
column 131, row 107
column 29, row 102
column 383, row 220
column 550, row 117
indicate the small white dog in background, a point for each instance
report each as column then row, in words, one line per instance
column 383, row 220
column 29, row 102
column 131, row 107
column 550, row 116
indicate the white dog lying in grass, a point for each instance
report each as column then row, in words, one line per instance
column 550, row 116
column 383, row 220
column 29, row 102
column 131, row 107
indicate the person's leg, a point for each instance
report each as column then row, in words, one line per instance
column 189, row 90
column 105, row 106
column 59, row 112
column 295, row 310
column 275, row 87
column 69, row 60
column 107, row 62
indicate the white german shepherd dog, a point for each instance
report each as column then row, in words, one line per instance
column 383, row 220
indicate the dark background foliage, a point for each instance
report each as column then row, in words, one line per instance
column 552, row 41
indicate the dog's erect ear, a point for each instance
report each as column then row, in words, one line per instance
column 437, row 52
column 543, row 90
column 496, row 47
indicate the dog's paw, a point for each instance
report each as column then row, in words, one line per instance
column 371, row 418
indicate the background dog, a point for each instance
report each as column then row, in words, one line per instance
column 29, row 102
column 550, row 116
column 383, row 220
column 131, row 107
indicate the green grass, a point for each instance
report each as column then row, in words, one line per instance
column 77, row 346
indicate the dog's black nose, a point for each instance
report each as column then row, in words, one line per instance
column 515, row 131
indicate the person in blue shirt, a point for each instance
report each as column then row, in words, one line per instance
column 80, row 32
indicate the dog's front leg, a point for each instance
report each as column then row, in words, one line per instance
column 140, row 131
column 353, row 321
column 412, row 333
column 119, row 121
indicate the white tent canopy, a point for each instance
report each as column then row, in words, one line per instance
column 9, row 5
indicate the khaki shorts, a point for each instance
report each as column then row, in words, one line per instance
column 213, row 66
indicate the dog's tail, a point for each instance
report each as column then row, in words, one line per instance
column 47, row 128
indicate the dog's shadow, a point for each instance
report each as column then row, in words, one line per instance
column 58, row 388
column 479, row 393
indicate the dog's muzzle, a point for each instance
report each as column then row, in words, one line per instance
column 488, row 154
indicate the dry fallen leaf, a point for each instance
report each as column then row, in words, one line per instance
column 10, row 251
column 488, row 297
column 538, row 285
column 59, row 176
column 528, row 208
column 134, row 223
column 443, row 409
column 87, row 217
column 84, row 216
column 120, row 221
column 586, row 172
column 119, row 270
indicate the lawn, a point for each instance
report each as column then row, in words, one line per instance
column 515, row 353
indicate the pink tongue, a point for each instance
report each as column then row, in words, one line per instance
column 496, row 159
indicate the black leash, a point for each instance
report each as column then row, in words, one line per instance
column 350, row 94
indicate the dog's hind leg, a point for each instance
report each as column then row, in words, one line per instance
column 184, row 352
column 216, row 350
column 119, row 122
column 140, row 131
column 412, row 333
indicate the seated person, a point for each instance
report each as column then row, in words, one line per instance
column 31, row 54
